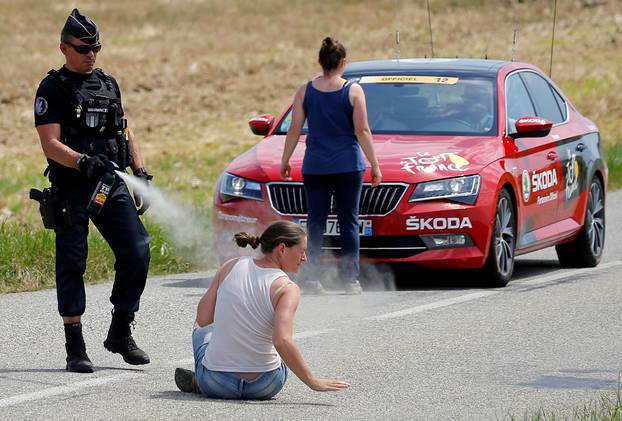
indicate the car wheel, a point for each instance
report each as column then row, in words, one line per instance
column 500, row 263
column 587, row 249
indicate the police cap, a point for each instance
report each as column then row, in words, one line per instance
column 80, row 27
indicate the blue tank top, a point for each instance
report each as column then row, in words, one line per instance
column 332, row 146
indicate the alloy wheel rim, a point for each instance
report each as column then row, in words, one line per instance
column 504, row 237
column 596, row 219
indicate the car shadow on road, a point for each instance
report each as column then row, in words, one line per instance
column 573, row 382
column 410, row 277
column 383, row 277
column 181, row 396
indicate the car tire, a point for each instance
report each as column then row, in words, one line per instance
column 500, row 262
column 587, row 249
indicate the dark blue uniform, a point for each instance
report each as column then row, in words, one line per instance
column 89, row 110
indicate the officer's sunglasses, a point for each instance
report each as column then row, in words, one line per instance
column 84, row 49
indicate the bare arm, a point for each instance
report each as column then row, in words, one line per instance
column 282, row 337
column 363, row 133
column 53, row 148
column 207, row 304
column 293, row 134
column 137, row 161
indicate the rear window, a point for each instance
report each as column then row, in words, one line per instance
column 427, row 105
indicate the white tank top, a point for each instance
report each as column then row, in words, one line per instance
column 242, row 336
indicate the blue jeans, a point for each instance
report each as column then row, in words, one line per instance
column 223, row 385
column 319, row 189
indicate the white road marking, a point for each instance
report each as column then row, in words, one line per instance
column 436, row 304
column 62, row 390
column 535, row 280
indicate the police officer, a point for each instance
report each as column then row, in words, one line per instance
column 79, row 119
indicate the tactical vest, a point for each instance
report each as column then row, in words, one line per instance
column 96, row 124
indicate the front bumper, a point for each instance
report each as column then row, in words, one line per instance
column 398, row 236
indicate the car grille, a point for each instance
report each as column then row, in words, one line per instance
column 381, row 247
column 290, row 199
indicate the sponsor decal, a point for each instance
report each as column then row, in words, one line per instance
column 414, row 223
column 444, row 80
column 543, row 180
column 572, row 176
column 532, row 120
column 526, row 186
column 236, row 218
column 426, row 162
column 41, row 105
column 548, row 198
column 539, row 181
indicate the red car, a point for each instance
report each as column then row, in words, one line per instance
column 482, row 160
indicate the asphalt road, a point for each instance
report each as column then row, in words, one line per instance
column 441, row 350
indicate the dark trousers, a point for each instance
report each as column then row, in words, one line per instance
column 347, row 190
column 119, row 224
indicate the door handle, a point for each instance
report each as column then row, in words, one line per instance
column 552, row 156
column 581, row 147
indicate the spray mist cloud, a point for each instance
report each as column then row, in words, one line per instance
column 185, row 227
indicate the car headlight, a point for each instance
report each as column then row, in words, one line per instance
column 459, row 189
column 233, row 187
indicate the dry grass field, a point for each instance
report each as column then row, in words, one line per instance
column 192, row 72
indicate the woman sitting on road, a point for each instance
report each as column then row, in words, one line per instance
column 243, row 339
column 336, row 115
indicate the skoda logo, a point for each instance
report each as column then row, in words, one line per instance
column 526, row 186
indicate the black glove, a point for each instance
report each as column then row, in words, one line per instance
column 142, row 202
column 95, row 166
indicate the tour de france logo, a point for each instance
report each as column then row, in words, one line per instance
column 427, row 163
column 41, row 106
column 572, row 175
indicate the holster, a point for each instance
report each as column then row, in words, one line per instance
column 54, row 212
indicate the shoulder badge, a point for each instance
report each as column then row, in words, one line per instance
column 41, row 105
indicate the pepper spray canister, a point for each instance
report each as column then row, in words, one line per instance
column 100, row 195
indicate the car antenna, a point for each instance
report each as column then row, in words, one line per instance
column 514, row 41
column 553, row 37
column 397, row 30
column 430, row 27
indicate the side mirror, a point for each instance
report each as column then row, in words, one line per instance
column 530, row 126
column 261, row 124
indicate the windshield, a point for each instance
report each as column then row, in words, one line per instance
column 426, row 105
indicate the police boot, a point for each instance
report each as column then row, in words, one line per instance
column 120, row 341
column 77, row 360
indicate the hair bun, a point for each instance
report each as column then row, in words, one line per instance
column 329, row 43
column 243, row 239
column 254, row 241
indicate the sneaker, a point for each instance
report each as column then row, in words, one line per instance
column 353, row 288
column 313, row 288
column 186, row 381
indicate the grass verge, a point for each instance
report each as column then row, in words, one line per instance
column 27, row 258
column 613, row 154
column 605, row 408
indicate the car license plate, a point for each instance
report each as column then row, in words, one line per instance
column 332, row 226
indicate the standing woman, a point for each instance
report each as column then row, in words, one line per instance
column 337, row 121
